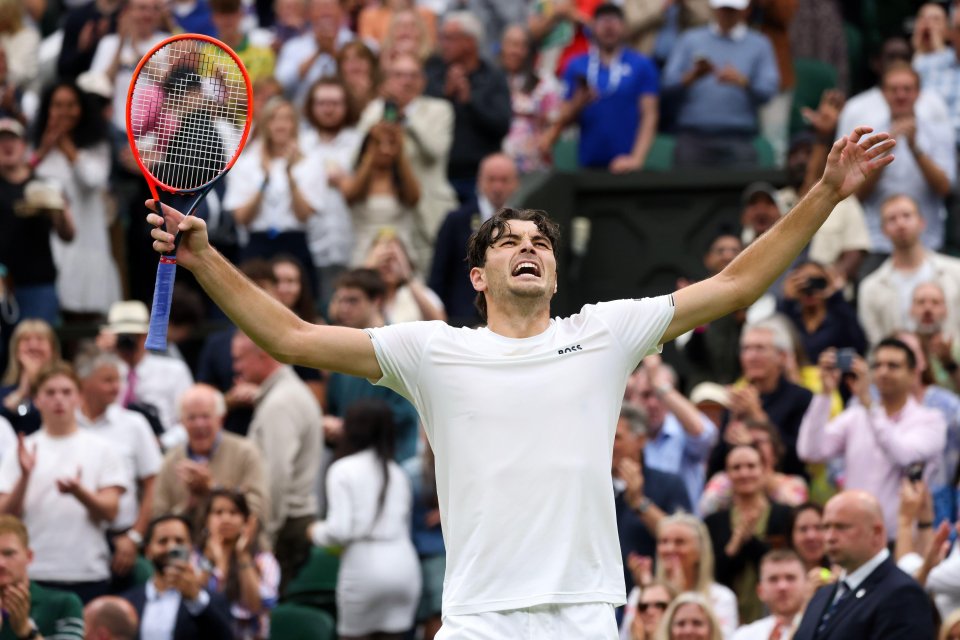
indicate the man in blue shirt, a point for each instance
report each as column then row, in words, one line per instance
column 720, row 75
column 612, row 93
column 679, row 437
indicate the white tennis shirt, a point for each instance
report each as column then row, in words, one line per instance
column 523, row 435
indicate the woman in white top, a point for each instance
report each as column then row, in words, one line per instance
column 383, row 192
column 368, row 514
column 72, row 149
column 273, row 191
column 685, row 559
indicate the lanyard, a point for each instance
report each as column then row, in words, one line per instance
column 593, row 72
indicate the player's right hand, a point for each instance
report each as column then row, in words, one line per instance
column 194, row 243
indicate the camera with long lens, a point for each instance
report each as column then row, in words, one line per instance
column 126, row 342
column 813, row 285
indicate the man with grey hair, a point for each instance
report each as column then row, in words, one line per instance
column 929, row 313
column 642, row 495
column 767, row 396
column 210, row 457
column 679, row 436
column 479, row 94
column 133, row 441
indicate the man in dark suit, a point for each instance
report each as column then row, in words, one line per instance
column 643, row 496
column 873, row 599
column 173, row 603
column 449, row 274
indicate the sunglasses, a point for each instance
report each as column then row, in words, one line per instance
column 643, row 606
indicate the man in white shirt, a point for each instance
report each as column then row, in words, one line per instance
column 133, row 441
column 886, row 295
column 311, row 56
column 147, row 379
column 335, row 145
column 117, row 54
column 65, row 484
column 872, row 599
column 526, row 402
column 781, row 590
column 927, row 166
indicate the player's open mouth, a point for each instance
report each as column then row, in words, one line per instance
column 526, row 269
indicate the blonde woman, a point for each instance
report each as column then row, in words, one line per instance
column 274, row 189
column 21, row 41
column 33, row 345
column 407, row 34
column 685, row 560
column 690, row 617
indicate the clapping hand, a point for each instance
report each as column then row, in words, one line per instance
column 26, row 457
column 69, row 484
column 15, row 599
column 641, row 568
column 824, row 119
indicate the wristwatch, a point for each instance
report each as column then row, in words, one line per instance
column 644, row 504
column 134, row 535
column 33, row 634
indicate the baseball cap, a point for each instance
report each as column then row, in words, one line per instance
column 756, row 188
column 710, row 392
column 96, row 83
column 129, row 316
column 729, row 4
column 9, row 125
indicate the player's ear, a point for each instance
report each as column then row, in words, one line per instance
column 478, row 279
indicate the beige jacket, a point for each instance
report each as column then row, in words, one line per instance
column 235, row 464
column 879, row 301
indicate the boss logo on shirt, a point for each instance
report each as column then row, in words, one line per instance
column 571, row 349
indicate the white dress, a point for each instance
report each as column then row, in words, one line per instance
column 378, row 587
column 87, row 276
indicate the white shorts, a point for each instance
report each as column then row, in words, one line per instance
column 591, row 621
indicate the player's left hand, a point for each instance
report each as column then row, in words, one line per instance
column 854, row 158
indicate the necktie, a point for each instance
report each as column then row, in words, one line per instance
column 777, row 632
column 129, row 395
column 843, row 592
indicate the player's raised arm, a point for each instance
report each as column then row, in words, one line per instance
column 268, row 323
column 851, row 160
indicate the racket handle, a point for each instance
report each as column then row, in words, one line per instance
column 160, row 312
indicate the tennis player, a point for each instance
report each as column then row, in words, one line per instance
column 522, row 413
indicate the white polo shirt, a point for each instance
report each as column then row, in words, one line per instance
column 523, row 435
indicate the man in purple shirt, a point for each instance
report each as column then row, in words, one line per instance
column 879, row 441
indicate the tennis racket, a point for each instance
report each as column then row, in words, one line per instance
column 189, row 110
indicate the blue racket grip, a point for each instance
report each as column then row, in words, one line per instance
column 160, row 312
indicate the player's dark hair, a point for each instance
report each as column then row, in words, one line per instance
column 369, row 424
column 484, row 237
column 896, row 343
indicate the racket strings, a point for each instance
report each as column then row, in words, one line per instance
column 188, row 110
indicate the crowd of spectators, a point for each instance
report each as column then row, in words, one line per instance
column 203, row 484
